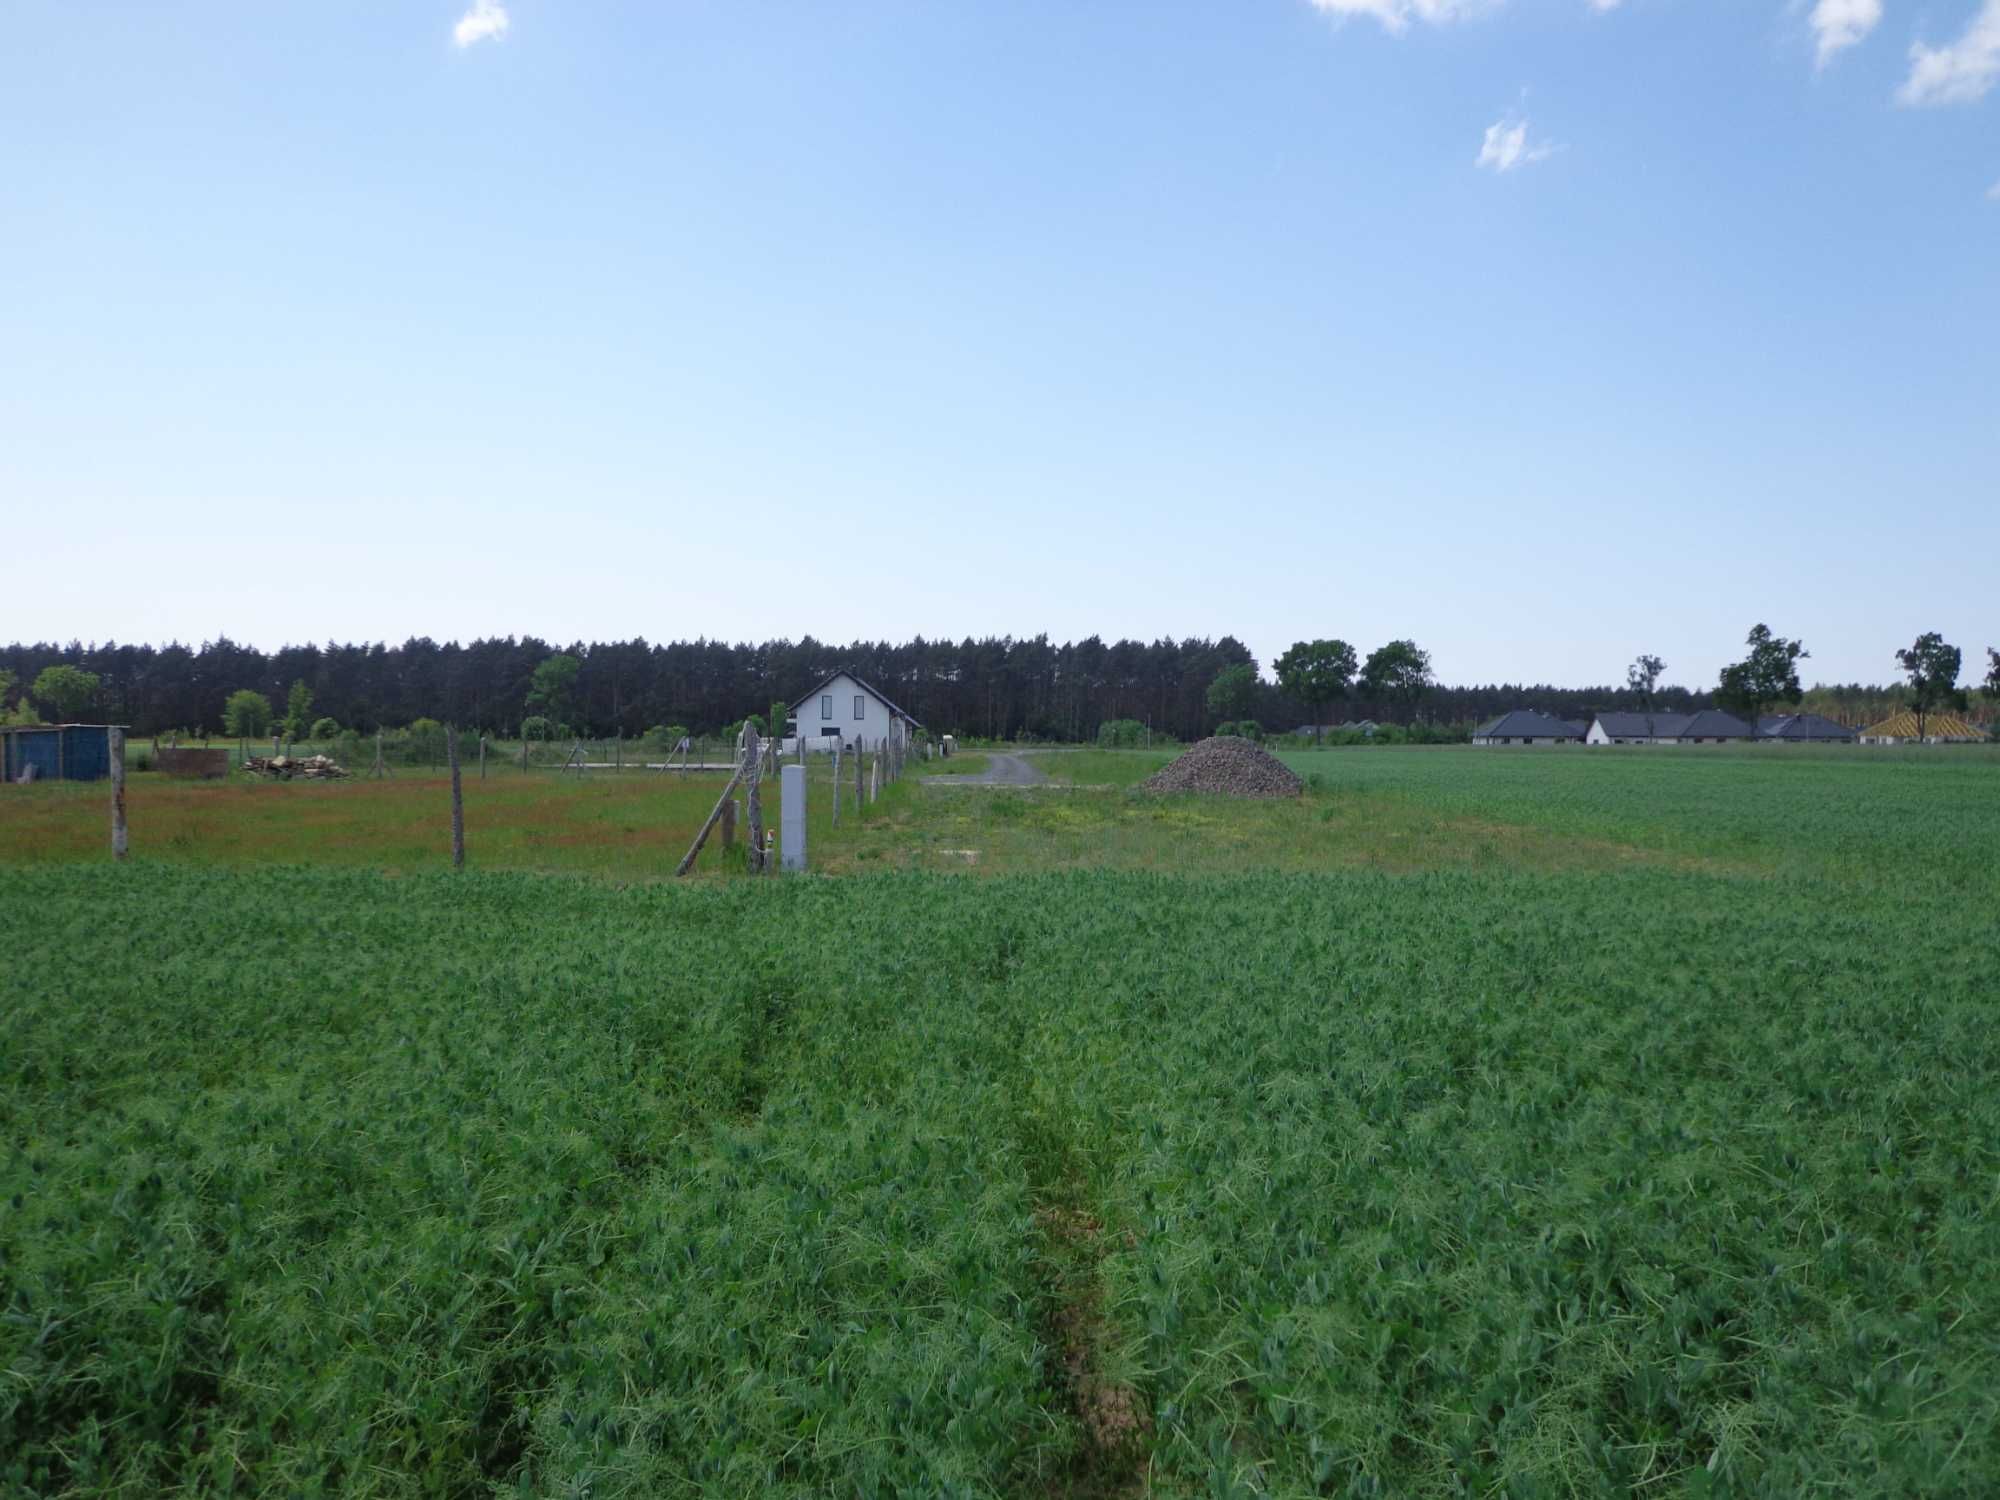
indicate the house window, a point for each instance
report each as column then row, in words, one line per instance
column 826, row 706
column 860, row 707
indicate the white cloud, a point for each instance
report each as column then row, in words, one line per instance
column 1604, row 4
column 1841, row 23
column 1994, row 192
column 1960, row 73
column 1396, row 15
column 487, row 18
column 1507, row 146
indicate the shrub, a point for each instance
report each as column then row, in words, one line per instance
column 535, row 727
column 1248, row 729
column 423, row 742
column 1121, row 734
column 323, row 730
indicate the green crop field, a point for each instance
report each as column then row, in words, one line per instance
column 1480, row 1124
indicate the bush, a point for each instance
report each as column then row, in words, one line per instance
column 322, row 731
column 666, row 736
column 1121, row 734
column 1248, row 729
column 423, row 742
column 537, row 728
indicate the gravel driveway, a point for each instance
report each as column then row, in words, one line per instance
column 1001, row 770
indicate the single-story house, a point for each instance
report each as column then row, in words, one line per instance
column 1636, row 729
column 1803, row 729
column 1713, row 727
column 1526, row 727
column 1937, row 729
column 845, row 711
column 56, row 752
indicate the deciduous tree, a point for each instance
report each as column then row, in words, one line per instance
column 63, row 692
column 1768, row 675
column 1316, row 673
column 247, row 715
column 552, row 688
column 1232, row 692
column 298, row 708
column 1932, row 667
column 1398, row 673
column 1643, row 676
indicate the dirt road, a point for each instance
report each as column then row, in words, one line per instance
column 1001, row 770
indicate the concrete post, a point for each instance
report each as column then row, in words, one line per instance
column 117, row 793
column 792, row 817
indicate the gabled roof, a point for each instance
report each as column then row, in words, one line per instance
column 1903, row 726
column 1641, row 726
column 1801, row 727
column 860, row 682
column 1714, row 724
column 1526, row 724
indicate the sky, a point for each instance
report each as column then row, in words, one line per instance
column 1545, row 332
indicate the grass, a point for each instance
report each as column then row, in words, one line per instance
column 630, row 826
column 1488, row 1123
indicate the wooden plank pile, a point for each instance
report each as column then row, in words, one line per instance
column 285, row 767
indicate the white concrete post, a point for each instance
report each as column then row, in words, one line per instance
column 792, row 817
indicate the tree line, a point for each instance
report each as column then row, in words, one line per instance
column 1000, row 687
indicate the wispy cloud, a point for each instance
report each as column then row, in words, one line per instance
column 1396, row 15
column 1961, row 72
column 486, row 19
column 1839, row 24
column 1994, row 192
column 1507, row 146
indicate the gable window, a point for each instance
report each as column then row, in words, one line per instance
column 860, row 706
column 826, row 705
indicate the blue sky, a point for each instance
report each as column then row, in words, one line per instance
column 1544, row 331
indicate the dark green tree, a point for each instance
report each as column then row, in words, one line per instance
column 1768, row 675
column 1992, row 683
column 1316, row 673
column 1932, row 667
column 1643, row 676
column 63, row 692
column 1232, row 692
column 1398, row 673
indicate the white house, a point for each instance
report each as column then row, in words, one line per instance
column 1636, row 729
column 843, row 710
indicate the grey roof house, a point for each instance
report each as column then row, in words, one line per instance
column 1636, row 728
column 1802, row 729
column 1526, row 727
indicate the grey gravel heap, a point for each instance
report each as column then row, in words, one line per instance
column 1227, row 766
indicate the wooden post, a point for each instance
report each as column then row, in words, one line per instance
column 482, row 757
column 875, row 776
column 457, row 799
column 117, row 793
column 618, row 751
column 753, row 804
column 836, row 785
column 524, row 748
column 694, row 849
column 729, row 823
column 858, row 758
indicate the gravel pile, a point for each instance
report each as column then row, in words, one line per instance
column 1229, row 766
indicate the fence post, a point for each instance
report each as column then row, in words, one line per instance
column 858, row 758
column 457, row 799
column 482, row 757
column 117, row 793
column 729, row 823
column 836, row 784
column 754, row 800
column 792, row 817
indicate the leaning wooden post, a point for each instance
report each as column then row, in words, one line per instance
column 729, row 823
column 482, row 757
column 117, row 793
column 694, row 849
column 457, row 799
